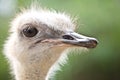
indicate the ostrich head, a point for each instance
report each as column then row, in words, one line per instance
column 37, row 39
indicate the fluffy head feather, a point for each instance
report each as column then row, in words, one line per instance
column 52, row 19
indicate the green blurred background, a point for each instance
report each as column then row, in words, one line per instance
column 97, row 18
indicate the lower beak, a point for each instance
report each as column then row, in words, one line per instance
column 76, row 39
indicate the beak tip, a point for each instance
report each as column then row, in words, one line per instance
column 94, row 42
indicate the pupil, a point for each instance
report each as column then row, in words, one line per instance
column 30, row 31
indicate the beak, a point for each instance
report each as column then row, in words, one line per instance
column 76, row 39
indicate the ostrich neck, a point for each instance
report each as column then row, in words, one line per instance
column 36, row 70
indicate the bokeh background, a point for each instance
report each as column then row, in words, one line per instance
column 97, row 18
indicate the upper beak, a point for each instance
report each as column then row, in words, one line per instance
column 76, row 39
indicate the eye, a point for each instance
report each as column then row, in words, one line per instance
column 30, row 31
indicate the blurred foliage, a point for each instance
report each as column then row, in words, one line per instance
column 98, row 18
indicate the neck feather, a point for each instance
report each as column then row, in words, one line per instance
column 36, row 70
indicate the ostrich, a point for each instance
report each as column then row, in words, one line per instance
column 38, row 41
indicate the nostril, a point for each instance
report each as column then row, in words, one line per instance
column 68, row 37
